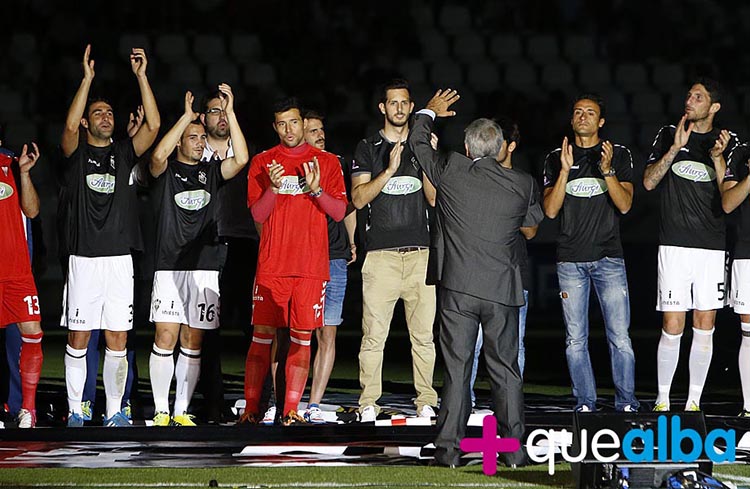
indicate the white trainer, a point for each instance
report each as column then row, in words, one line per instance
column 367, row 414
column 270, row 416
column 426, row 412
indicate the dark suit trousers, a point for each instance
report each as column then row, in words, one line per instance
column 460, row 316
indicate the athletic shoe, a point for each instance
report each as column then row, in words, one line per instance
column 661, row 407
column 118, row 420
column 249, row 418
column 368, row 414
column 692, row 407
column 426, row 412
column 162, row 419
column 270, row 417
column 26, row 418
column 75, row 420
column 314, row 415
column 630, row 409
column 183, row 419
column 86, row 410
column 583, row 409
column 292, row 418
column 127, row 411
column 744, row 414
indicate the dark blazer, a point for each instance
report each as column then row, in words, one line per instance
column 480, row 208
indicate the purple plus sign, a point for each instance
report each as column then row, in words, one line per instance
column 489, row 445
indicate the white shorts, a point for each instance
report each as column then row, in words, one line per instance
column 186, row 297
column 691, row 278
column 740, row 296
column 98, row 293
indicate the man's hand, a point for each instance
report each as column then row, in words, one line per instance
column 27, row 160
column 353, row 249
column 441, row 102
column 135, row 121
column 88, row 64
column 395, row 158
column 138, row 62
column 227, row 98
column 189, row 99
column 606, row 162
column 276, row 174
column 566, row 156
column 312, row 174
column 682, row 134
column 721, row 144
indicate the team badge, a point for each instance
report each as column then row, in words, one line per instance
column 202, row 177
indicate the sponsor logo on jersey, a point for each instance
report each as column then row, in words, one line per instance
column 694, row 171
column 402, row 186
column 586, row 187
column 5, row 191
column 192, row 200
column 293, row 185
column 104, row 183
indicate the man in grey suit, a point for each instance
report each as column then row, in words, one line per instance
column 481, row 207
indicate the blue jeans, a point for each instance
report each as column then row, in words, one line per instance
column 521, row 348
column 335, row 292
column 611, row 287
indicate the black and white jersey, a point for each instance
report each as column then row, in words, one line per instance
column 690, row 204
column 98, row 201
column 737, row 170
column 186, row 199
column 397, row 216
column 589, row 220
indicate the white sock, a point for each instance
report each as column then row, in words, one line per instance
column 161, row 370
column 75, row 377
column 744, row 362
column 701, row 351
column 667, row 356
column 114, row 375
column 186, row 375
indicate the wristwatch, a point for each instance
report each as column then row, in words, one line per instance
column 610, row 173
column 316, row 194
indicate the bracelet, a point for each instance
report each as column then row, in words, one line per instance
column 316, row 194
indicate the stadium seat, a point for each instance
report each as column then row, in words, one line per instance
column 616, row 105
column 209, row 48
column 631, row 76
column 413, row 70
column 244, row 48
column 434, row 45
column 483, row 77
column 129, row 41
column 259, row 74
column 619, row 132
column 542, row 48
column 520, row 74
column 647, row 105
column 455, row 19
column 579, row 49
column 468, row 47
column 668, row 77
column 506, row 48
column 186, row 72
column 446, row 74
column 595, row 76
column 171, row 48
column 223, row 72
column 557, row 74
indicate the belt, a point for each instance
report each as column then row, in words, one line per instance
column 405, row 249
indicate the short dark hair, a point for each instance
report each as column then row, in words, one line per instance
column 594, row 97
column 313, row 114
column 207, row 98
column 394, row 84
column 712, row 87
column 91, row 101
column 510, row 129
column 287, row 103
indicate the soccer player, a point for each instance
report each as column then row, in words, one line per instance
column 19, row 301
column 185, row 296
column 341, row 252
column 291, row 189
column 392, row 187
column 100, row 230
column 588, row 184
column 687, row 163
column 735, row 191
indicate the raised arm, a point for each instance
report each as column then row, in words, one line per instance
column 29, row 197
column 146, row 135
column 621, row 193
column 555, row 196
column 232, row 166
column 169, row 142
column 656, row 171
column 70, row 135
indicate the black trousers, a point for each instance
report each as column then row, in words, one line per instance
column 460, row 316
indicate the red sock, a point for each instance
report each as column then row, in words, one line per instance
column 257, row 364
column 31, row 368
column 297, row 368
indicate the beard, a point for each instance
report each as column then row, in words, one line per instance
column 217, row 132
column 397, row 123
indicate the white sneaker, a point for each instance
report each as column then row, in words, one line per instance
column 26, row 418
column 367, row 415
column 314, row 415
column 426, row 412
column 270, row 416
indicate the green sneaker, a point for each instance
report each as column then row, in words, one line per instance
column 692, row 407
column 661, row 407
column 86, row 410
column 183, row 419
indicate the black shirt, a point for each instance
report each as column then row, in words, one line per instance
column 98, row 201
column 186, row 200
column 589, row 220
column 737, row 171
column 398, row 215
column 338, row 239
column 690, row 204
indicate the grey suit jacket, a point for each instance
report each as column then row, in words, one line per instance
column 480, row 208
